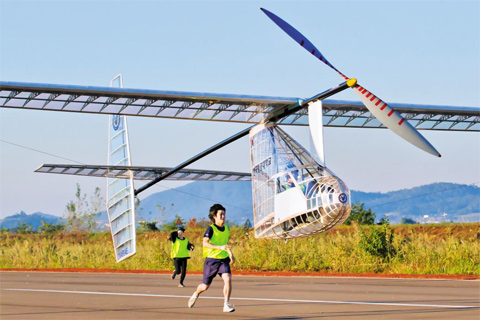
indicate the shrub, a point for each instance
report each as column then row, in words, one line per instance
column 148, row 226
column 23, row 228
column 379, row 242
column 50, row 228
column 361, row 215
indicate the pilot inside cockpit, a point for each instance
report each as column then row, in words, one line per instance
column 289, row 183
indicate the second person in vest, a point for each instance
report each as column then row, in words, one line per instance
column 180, row 254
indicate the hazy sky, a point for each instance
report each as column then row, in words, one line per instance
column 423, row 52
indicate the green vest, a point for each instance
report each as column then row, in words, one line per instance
column 219, row 238
column 179, row 248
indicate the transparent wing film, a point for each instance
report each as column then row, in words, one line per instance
column 293, row 196
column 223, row 107
column 120, row 192
column 142, row 173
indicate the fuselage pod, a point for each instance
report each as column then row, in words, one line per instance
column 293, row 195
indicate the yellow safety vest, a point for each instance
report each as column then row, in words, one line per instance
column 179, row 248
column 219, row 238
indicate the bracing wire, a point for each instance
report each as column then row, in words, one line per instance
column 243, row 209
column 174, row 189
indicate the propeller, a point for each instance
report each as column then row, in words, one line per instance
column 380, row 109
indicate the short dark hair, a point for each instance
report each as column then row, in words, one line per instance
column 213, row 211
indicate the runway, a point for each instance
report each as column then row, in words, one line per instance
column 51, row 295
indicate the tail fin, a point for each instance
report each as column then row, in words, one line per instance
column 120, row 192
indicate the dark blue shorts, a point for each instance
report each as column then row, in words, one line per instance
column 212, row 267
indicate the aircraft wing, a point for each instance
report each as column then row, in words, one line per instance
column 142, row 173
column 221, row 107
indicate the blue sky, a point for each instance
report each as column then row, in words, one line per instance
column 424, row 52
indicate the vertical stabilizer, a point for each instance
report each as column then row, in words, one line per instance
column 120, row 192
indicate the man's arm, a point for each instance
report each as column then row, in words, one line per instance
column 173, row 236
column 230, row 254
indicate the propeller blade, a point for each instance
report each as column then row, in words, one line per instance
column 381, row 110
column 394, row 120
column 300, row 39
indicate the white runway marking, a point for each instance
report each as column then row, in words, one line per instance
column 249, row 299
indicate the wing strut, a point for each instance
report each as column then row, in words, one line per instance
column 277, row 116
column 195, row 158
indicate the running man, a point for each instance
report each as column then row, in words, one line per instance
column 218, row 256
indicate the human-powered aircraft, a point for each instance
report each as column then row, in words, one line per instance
column 294, row 193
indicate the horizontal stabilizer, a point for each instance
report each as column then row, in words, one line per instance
column 142, row 173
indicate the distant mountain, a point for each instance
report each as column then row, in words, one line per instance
column 434, row 200
column 438, row 201
column 451, row 201
column 34, row 219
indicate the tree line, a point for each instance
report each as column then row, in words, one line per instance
column 82, row 211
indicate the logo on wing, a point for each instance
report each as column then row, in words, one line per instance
column 116, row 122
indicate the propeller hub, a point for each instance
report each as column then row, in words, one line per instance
column 352, row 82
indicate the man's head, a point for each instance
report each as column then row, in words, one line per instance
column 217, row 214
column 180, row 231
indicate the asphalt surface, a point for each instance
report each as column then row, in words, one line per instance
column 50, row 295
